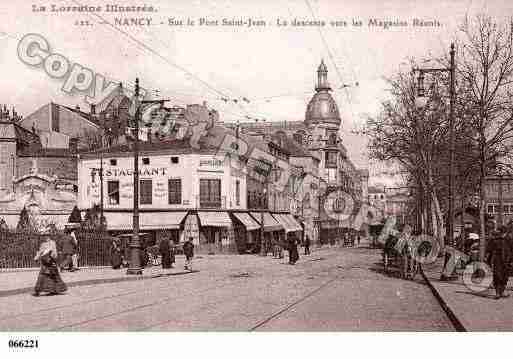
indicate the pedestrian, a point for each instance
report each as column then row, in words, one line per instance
column 49, row 279
column 307, row 245
column 293, row 252
column 68, row 248
column 116, row 257
column 188, row 251
column 358, row 239
column 172, row 252
column 165, row 253
column 74, row 256
column 499, row 256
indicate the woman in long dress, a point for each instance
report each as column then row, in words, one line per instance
column 116, row 257
column 49, row 279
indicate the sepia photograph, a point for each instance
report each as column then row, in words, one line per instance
column 298, row 166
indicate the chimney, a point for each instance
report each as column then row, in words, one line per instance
column 73, row 145
column 93, row 109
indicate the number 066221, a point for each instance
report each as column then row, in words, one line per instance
column 23, row 343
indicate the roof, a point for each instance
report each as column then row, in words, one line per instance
column 12, row 130
column 32, row 151
column 87, row 116
column 290, row 146
column 170, row 146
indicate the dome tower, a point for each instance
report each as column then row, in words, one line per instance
column 322, row 108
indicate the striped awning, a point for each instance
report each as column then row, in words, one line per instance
column 215, row 219
column 288, row 222
column 270, row 224
column 248, row 222
column 117, row 221
column 293, row 223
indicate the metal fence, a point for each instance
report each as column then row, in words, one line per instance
column 17, row 250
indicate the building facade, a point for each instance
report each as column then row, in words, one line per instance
column 316, row 140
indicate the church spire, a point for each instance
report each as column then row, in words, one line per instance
column 322, row 77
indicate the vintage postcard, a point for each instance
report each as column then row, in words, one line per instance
column 269, row 166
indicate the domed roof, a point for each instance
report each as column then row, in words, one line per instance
column 322, row 108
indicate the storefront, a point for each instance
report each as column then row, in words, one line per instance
column 216, row 232
column 158, row 225
column 247, row 232
column 273, row 230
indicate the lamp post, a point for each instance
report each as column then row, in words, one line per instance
column 451, row 70
column 135, row 266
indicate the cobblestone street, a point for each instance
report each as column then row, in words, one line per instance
column 333, row 289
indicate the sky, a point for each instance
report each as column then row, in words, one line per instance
column 273, row 67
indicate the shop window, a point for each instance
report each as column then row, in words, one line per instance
column 174, row 160
column 113, row 162
column 237, row 193
column 145, row 192
column 113, row 192
column 490, row 208
column 175, row 191
column 146, row 161
column 210, row 193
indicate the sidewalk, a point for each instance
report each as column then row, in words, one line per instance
column 17, row 282
column 14, row 282
column 470, row 310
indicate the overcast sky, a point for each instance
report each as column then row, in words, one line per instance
column 273, row 67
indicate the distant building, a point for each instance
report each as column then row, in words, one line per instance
column 42, row 179
column 316, row 140
column 497, row 190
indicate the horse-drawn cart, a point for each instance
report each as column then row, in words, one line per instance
column 399, row 253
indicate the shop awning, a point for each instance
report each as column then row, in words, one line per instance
column 117, row 221
column 248, row 222
column 215, row 219
column 270, row 224
column 296, row 227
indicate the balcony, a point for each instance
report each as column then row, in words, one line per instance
column 210, row 202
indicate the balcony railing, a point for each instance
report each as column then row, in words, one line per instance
column 210, row 202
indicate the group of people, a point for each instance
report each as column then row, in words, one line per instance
column 167, row 250
column 292, row 247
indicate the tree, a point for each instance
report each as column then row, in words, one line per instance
column 417, row 140
column 486, row 72
column 75, row 216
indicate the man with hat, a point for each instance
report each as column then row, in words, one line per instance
column 499, row 257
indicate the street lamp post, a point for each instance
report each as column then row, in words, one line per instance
column 135, row 266
column 451, row 70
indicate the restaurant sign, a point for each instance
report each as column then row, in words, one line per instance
column 120, row 172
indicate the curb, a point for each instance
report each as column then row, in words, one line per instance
column 86, row 282
column 452, row 317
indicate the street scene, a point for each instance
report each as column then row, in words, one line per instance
column 331, row 289
column 287, row 166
